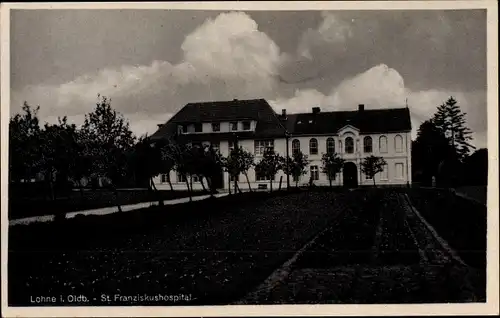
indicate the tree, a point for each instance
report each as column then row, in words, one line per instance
column 429, row 150
column 372, row 165
column 107, row 138
column 331, row 165
column 238, row 162
column 58, row 153
column 269, row 165
column 210, row 165
column 24, row 134
column 296, row 166
column 451, row 121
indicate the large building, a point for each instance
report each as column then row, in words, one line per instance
column 254, row 125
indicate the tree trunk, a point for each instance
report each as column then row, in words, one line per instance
column 115, row 190
column 330, row 180
column 229, row 183
column 236, row 184
column 270, row 184
column 297, row 183
column 202, row 183
column 155, row 189
column 238, row 187
column 188, row 189
column 210, row 187
column 248, row 181
column 281, row 180
column 373, row 177
column 80, row 186
column 51, row 188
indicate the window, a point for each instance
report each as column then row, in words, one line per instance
column 246, row 125
column 215, row 145
column 181, row 177
column 180, row 129
column 261, row 146
column 295, row 146
column 314, row 173
column 330, row 145
column 349, row 145
column 398, row 143
column 198, row 127
column 383, row 144
column 215, row 126
column 384, row 175
column 399, row 171
column 313, row 146
column 233, row 125
column 164, row 177
column 368, row 144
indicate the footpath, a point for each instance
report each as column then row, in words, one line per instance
column 109, row 210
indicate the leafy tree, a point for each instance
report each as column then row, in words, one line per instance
column 450, row 119
column 296, row 166
column 331, row 165
column 429, row 150
column 24, row 134
column 58, row 153
column 211, row 164
column 107, row 138
column 476, row 168
column 372, row 165
column 238, row 162
column 269, row 165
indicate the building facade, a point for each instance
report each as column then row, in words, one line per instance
column 253, row 125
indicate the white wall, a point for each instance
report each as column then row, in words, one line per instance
column 391, row 157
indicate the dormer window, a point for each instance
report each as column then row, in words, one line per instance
column 233, row 125
column 246, row 125
column 198, row 127
column 215, row 126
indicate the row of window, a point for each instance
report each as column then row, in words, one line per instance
column 233, row 126
column 349, row 145
column 313, row 170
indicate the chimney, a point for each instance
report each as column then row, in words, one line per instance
column 316, row 110
column 283, row 113
column 361, row 107
column 160, row 125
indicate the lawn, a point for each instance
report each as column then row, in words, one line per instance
column 215, row 251
column 20, row 207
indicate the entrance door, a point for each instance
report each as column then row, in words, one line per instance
column 350, row 175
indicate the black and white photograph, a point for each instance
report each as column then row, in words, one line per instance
column 228, row 155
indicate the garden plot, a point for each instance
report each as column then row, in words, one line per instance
column 400, row 265
column 217, row 258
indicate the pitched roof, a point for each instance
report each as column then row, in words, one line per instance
column 268, row 123
column 367, row 121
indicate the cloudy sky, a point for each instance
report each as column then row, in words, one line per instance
column 152, row 62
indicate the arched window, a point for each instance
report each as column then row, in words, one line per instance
column 295, row 146
column 313, row 146
column 383, row 144
column 398, row 143
column 349, row 145
column 368, row 144
column 330, row 145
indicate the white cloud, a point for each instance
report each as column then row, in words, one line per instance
column 224, row 58
column 383, row 87
column 331, row 30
